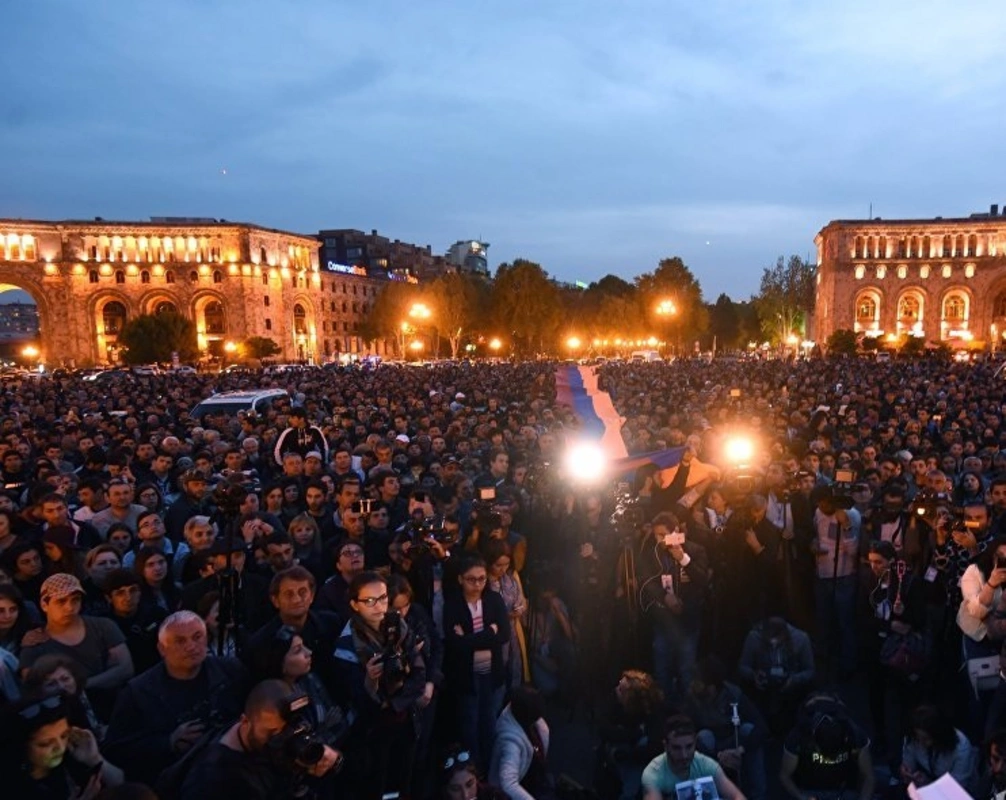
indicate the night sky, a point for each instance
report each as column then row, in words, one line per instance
column 592, row 137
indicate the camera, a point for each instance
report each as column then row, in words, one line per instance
column 297, row 745
column 420, row 530
column 843, row 487
column 629, row 513
column 396, row 666
column 927, row 502
column 485, row 500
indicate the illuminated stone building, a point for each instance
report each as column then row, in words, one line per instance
column 233, row 280
column 943, row 280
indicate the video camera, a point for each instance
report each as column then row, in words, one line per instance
column 629, row 513
column 843, row 487
column 421, row 529
column 486, row 500
column 297, row 746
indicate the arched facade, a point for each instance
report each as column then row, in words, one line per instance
column 943, row 280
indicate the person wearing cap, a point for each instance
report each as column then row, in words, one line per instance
column 95, row 643
column 300, row 437
column 163, row 711
column 193, row 501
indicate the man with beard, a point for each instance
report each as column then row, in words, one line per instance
column 680, row 764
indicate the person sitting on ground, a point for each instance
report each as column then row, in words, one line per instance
column 681, row 764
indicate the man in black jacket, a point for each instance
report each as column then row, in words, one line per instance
column 300, row 438
column 675, row 578
column 161, row 713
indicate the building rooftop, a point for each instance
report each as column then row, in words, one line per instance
column 152, row 222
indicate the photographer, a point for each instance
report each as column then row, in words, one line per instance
column 836, row 546
column 672, row 596
column 381, row 664
column 827, row 755
column 248, row 760
column 777, row 668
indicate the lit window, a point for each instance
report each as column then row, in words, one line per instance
column 946, row 270
column 881, row 272
column 969, row 271
column 860, row 272
column 924, row 271
column 902, row 271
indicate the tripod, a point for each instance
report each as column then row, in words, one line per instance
column 230, row 616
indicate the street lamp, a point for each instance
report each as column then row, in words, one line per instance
column 495, row 345
column 573, row 343
column 666, row 309
column 420, row 311
column 30, row 352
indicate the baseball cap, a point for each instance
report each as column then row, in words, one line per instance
column 60, row 585
column 459, row 396
column 402, row 438
column 313, row 454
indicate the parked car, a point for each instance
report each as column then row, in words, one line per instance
column 231, row 403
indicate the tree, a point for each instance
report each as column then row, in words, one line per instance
column 673, row 281
column 725, row 323
column 388, row 312
column 842, row 342
column 786, row 297
column 525, row 303
column 456, row 301
column 157, row 337
column 260, row 347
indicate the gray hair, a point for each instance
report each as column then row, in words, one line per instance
column 178, row 618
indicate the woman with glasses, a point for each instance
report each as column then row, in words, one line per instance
column 381, row 665
column 44, row 756
column 149, row 496
column 476, row 628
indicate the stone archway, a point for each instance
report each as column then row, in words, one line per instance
column 53, row 323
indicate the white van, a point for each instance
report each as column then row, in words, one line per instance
column 645, row 355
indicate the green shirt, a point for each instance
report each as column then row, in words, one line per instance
column 658, row 775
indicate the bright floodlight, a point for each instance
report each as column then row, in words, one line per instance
column 585, row 462
column 739, row 450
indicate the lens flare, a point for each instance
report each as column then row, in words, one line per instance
column 739, row 450
column 585, row 462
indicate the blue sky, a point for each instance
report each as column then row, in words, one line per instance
column 593, row 137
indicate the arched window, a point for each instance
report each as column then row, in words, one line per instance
column 28, row 242
column 92, row 276
column 263, row 256
column 902, row 247
column 858, row 250
column 120, row 276
column 909, row 309
column 164, row 307
column 193, row 277
column 214, row 317
column 948, row 245
column 866, row 309
column 871, row 245
column 331, row 306
column 145, row 277
column 955, row 308
column 299, row 320
column 113, row 317
column 882, row 248
column 169, row 276
column 959, row 245
column 218, row 276
column 265, row 278
column 265, row 301
column 927, row 244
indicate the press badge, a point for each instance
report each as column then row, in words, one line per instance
column 930, row 575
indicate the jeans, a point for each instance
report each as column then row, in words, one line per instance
column 835, row 604
column 477, row 714
column 675, row 650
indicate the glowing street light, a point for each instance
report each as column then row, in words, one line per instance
column 416, row 346
column 495, row 344
column 230, row 347
column 420, row 311
column 792, row 340
column 30, row 352
column 573, row 343
column 666, row 308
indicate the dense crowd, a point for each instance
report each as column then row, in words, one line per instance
column 386, row 583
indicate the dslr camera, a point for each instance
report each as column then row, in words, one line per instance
column 393, row 657
column 297, row 746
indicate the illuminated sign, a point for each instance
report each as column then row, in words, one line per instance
column 347, row 270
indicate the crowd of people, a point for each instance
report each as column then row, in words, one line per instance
column 385, row 583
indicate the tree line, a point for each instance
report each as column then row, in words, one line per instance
column 531, row 313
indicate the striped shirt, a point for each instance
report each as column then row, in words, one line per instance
column 482, row 663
